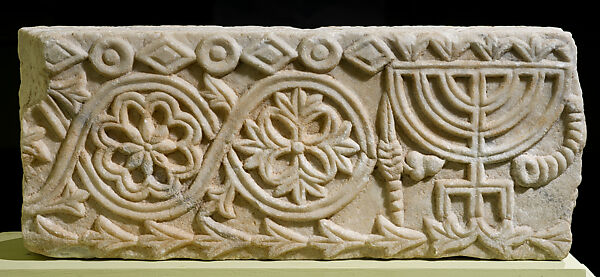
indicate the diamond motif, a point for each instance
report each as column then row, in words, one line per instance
column 62, row 55
column 369, row 54
column 269, row 55
column 166, row 55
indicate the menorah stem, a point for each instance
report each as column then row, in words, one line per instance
column 396, row 201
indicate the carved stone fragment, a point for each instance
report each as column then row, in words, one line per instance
column 282, row 143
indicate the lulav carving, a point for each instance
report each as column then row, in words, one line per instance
column 392, row 162
column 389, row 160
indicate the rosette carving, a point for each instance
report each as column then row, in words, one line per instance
column 308, row 136
column 310, row 145
column 146, row 145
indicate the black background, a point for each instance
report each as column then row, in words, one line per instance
column 577, row 19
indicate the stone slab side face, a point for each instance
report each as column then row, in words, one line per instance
column 282, row 143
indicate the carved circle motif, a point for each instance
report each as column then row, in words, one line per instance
column 219, row 55
column 315, row 155
column 112, row 57
column 146, row 136
column 320, row 54
column 146, row 145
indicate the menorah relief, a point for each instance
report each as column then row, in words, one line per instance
column 480, row 119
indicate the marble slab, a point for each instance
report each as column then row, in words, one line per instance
column 207, row 142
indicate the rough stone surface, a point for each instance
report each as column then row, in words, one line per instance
column 281, row 143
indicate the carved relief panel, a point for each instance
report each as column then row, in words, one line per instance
column 280, row 143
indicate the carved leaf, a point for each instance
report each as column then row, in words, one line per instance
column 397, row 239
column 277, row 230
column 518, row 236
column 555, row 241
column 166, row 231
column 447, row 47
column 447, row 246
column 447, row 237
column 215, row 229
column 165, row 238
column 50, row 227
column 338, row 233
column 70, row 93
column 221, row 238
column 71, row 201
column 112, row 229
column 339, row 239
column 343, row 146
column 454, row 228
column 410, row 47
column 562, row 51
column 484, row 47
column 32, row 144
column 109, row 236
column 254, row 146
column 522, row 49
column 435, row 229
column 224, row 196
column 388, row 229
column 282, row 239
column 219, row 95
column 501, row 47
column 492, row 239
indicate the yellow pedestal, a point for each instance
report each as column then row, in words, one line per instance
column 16, row 261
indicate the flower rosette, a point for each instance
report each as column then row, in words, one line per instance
column 298, row 145
column 146, row 145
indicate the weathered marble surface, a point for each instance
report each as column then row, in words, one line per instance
column 280, row 143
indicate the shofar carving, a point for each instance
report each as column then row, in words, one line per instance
column 279, row 143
